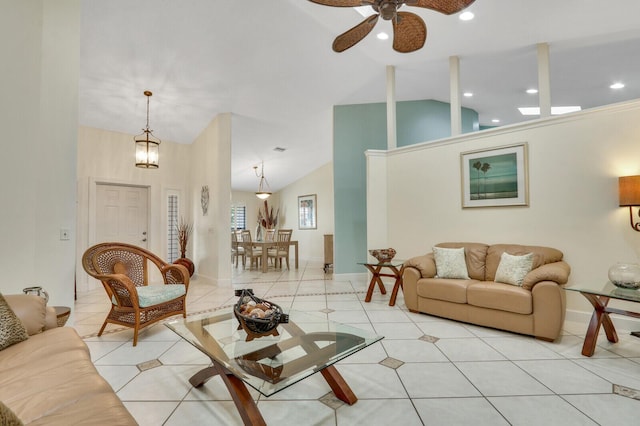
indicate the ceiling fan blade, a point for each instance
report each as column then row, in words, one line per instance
column 341, row 3
column 409, row 32
column 355, row 34
column 448, row 7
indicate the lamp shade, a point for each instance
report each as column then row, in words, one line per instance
column 147, row 151
column 629, row 190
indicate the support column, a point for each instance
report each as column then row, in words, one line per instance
column 391, row 107
column 544, row 80
column 454, row 95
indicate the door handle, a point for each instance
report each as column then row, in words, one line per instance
column 144, row 240
column 144, row 233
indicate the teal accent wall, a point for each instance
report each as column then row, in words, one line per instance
column 420, row 121
column 357, row 128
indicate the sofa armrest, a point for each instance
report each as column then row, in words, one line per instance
column 51, row 319
column 557, row 272
column 426, row 264
column 31, row 310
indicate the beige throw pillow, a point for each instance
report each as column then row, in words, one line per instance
column 11, row 328
column 513, row 269
column 450, row 263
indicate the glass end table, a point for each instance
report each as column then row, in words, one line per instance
column 599, row 296
column 307, row 344
column 395, row 271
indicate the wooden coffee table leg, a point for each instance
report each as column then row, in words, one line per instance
column 339, row 386
column 201, row 377
column 239, row 393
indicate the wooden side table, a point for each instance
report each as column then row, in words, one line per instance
column 376, row 274
column 62, row 314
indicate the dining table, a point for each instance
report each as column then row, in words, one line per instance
column 265, row 245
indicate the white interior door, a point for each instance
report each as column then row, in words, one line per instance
column 121, row 214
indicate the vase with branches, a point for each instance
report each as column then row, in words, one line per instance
column 184, row 229
column 266, row 219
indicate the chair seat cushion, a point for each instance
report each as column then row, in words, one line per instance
column 150, row 295
column 153, row 294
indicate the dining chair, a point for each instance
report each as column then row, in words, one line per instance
column 281, row 249
column 237, row 250
column 123, row 270
column 250, row 251
column 269, row 235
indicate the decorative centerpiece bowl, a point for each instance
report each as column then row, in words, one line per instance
column 625, row 275
column 383, row 255
column 256, row 316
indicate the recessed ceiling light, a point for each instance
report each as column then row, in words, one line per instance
column 532, row 91
column 554, row 110
column 383, row 36
column 466, row 16
column 617, row 85
column 495, row 120
column 467, row 94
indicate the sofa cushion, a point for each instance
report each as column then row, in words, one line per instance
column 513, row 269
column 503, row 297
column 541, row 256
column 449, row 290
column 450, row 263
column 50, row 380
column 11, row 329
column 475, row 257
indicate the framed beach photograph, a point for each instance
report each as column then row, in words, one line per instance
column 495, row 177
column 307, row 205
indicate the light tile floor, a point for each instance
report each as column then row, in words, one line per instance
column 426, row 371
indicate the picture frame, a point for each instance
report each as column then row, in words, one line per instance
column 307, row 207
column 495, row 177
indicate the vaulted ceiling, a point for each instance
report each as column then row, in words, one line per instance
column 270, row 63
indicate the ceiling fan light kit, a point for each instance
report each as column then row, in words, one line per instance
column 409, row 30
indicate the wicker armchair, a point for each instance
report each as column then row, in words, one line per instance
column 123, row 271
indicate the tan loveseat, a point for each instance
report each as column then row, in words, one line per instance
column 536, row 307
column 49, row 378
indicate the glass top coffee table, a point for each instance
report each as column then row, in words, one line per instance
column 599, row 295
column 307, row 344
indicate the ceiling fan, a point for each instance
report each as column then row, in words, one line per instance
column 409, row 30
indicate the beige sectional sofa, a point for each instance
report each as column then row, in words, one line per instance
column 534, row 305
column 49, row 378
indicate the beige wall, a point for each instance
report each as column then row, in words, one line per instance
column 574, row 163
column 211, row 166
column 310, row 241
column 108, row 157
column 38, row 109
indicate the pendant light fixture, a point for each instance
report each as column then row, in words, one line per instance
column 147, row 145
column 264, row 191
